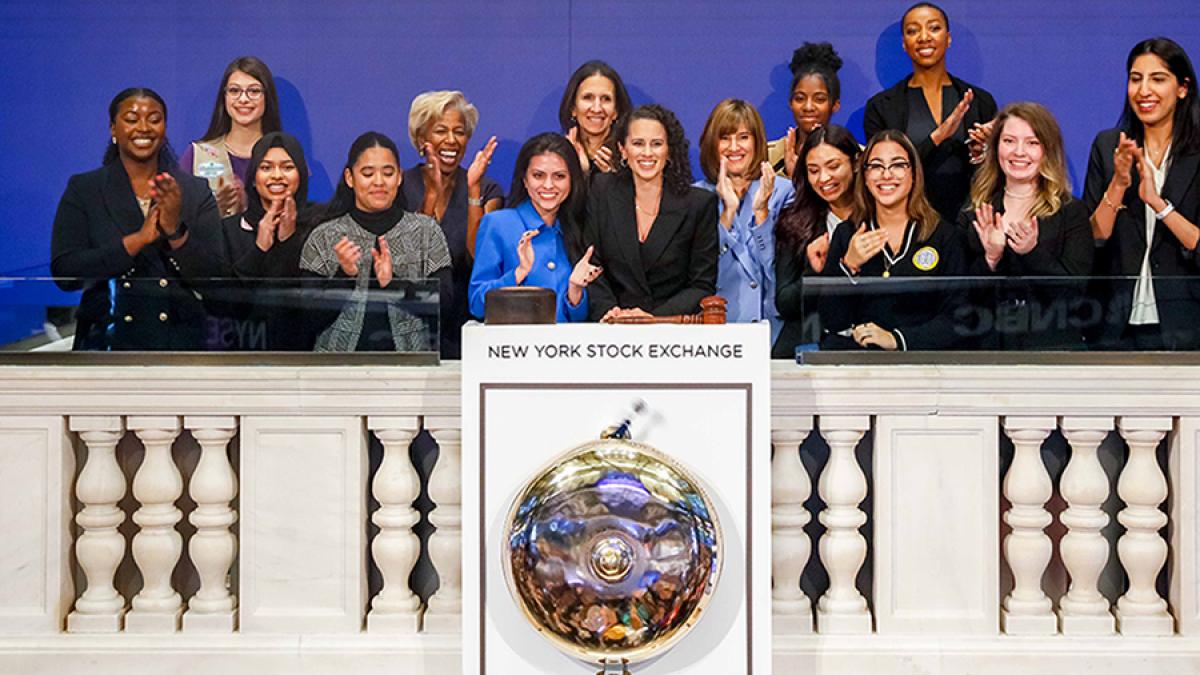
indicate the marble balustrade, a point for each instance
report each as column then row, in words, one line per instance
column 909, row 503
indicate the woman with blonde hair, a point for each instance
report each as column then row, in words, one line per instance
column 440, row 125
column 893, row 233
column 733, row 156
column 1023, row 222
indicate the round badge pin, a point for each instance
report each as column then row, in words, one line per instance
column 926, row 259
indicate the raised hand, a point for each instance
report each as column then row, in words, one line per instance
column 1022, row 236
column 480, row 164
column 789, row 152
column 573, row 136
column 954, row 120
column 268, row 226
column 431, row 171
column 817, row 252
column 584, row 271
column 1147, row 190
column 604, row 160
column 287, row 220
column 231, row 195
column 990, row 228
column 762, row 198
column 864, row 245
column 728, row 195
column 1125, row 156
column 977, row 140
column 525, row 255
column 166, row 193
column 383, row 263
column 348, row 254
column 868, row 334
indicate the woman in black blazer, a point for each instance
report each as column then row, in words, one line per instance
column 1143, row 184
column 1024, row 223
column 654, row 235
column 140, row 222
column 945, row 117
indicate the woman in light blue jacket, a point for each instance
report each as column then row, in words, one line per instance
column 733, row 155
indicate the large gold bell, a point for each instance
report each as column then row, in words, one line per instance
column 612, row 551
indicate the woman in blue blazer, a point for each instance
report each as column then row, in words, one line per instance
column 537, row 242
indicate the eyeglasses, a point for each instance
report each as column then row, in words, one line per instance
column 877, row 169
column 235, row 92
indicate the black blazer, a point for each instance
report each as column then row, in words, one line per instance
column 1015, row 314
column 671, row 271
column 796, row 305
column 915, row 301
column 889, row 110
column 1173, row 267
column 158, row 295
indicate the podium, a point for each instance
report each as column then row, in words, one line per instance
column 700, row 394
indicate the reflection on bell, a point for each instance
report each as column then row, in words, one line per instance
column 612, row 552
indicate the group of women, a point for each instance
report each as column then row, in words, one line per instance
column 835, row 245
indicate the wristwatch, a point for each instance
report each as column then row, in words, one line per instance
column 178, row 234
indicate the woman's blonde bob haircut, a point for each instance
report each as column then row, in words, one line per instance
column 430, row 106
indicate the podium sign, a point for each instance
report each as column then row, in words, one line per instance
column 698, row 394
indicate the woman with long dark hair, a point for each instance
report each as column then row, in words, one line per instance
column 824, row 188
column 813, row 98
column 894, row 240
column 537, row 242
column 247, row 107
column 263, row 246
column 592, row 107
column 945, row 117
column 367, row 239
column 1143, row 192
column 1024, row 223
column 654, row 234
column 137, row 221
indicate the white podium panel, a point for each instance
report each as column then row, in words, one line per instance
column 531, row 393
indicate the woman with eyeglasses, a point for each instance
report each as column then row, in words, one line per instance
column 895, row 252
column 247, row 107
column 1143, row 191
column 946, row 118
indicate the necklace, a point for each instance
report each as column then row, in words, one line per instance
column 1016, row 195
column 888, row 259
column 1162, row 154
column 638, row 206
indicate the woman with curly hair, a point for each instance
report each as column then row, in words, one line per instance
column 654, row 234
column 815, row 95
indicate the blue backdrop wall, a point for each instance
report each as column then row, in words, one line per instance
column 348, row 66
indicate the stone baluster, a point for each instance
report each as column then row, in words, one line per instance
column 1084, row 486
column 791, row 548
column 1142, row 549
column 100, row 548
column 444, row 613
column 843, row 486
column 1027, row 610
column 157, row 545
column 396, row 547
column 213, row 547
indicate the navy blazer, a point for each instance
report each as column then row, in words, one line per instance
column 1174, row 268
column 889, row 110
column 668, row 274
column 157, row 301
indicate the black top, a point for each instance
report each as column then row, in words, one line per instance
column 1020, row 313
column 454, row 226
column 797, row 305
column 912, row 301
column 947, row 167
column 157, row 302
column 1173, row 268
column 668, row 274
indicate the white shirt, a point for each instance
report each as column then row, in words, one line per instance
column 1145, row 307
column 831, row 222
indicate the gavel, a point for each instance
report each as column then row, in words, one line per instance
column 712, row 312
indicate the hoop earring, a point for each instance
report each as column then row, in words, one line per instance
column 624, row 164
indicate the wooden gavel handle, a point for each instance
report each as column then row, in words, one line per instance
column 712, row 312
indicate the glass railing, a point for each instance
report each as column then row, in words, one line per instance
column 39, row 314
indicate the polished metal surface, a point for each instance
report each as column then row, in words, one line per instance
column 613, row 551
